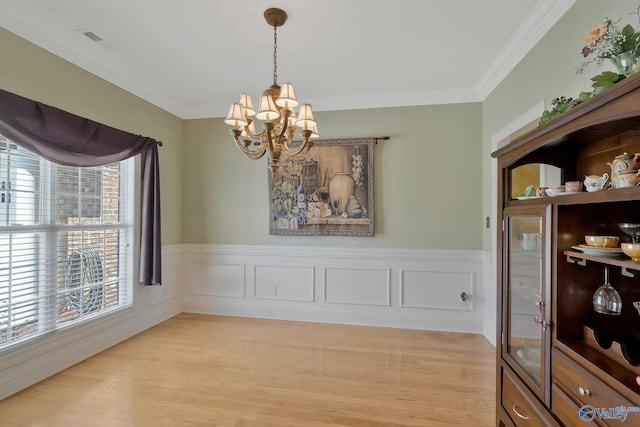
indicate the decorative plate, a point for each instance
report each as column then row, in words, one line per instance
column 565, row 193
column 592, row 250
column 529, row 197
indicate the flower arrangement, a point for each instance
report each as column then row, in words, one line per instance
column 608, row 40
column 605, row 41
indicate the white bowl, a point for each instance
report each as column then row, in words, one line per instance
column 554, row 191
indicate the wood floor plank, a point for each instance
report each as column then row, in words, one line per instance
column 200, row 370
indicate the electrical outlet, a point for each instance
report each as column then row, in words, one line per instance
column 463, row 298
column 274, row 290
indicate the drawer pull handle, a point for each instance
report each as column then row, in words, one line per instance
column 515, row 409
column 584, row 391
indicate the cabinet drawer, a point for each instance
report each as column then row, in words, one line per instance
column 566, row 409
column 581, row 387
column 522, row 407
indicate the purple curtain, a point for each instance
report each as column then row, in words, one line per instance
column 71, row 140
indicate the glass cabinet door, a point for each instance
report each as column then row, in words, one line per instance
column 526, row 340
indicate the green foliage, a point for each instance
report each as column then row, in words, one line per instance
column 629, row 39
column 605, row 80
column 561, row 105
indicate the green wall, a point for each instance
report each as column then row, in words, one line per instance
column 546, row 72
column 428, row 190
column 35, row 73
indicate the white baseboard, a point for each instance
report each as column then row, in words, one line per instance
column 417, row 289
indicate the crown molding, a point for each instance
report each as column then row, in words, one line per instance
column 543, row 17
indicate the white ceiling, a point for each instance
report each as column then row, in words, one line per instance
column 194, row 57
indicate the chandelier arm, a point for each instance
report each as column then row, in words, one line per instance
column 253, row 154
column 285, row 123
column 301, row 150
column 252, row 135
column 301, row 155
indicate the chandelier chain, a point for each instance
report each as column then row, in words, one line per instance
column 275, row 55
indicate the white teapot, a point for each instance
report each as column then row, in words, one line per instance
column 595, row 182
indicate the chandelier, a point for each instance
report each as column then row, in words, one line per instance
column 276, row 111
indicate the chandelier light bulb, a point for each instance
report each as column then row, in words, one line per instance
column 306, row 121
column 268, row 112
column 247, row 105
column 236, row 116
column 287, row 99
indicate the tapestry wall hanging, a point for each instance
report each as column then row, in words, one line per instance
column 328, row 193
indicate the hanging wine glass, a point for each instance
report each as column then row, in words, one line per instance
column 631, row 229
column 606, row 300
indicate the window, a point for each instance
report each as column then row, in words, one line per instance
column 65, row 243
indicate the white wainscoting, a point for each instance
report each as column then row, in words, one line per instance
column 44, row 356
column 490, row 298
column 417, row 289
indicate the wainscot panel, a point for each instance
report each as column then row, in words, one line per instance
column 417, row 289
column 437, row 289
column 357, row 286
column 221, row 280
column 284, row 283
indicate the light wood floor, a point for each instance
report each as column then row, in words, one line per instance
column 197, row 370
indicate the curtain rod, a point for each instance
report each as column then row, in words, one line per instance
column 383, row 138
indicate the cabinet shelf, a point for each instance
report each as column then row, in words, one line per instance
column 611, row 195
column 629, row 268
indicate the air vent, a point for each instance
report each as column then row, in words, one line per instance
column 93, row 36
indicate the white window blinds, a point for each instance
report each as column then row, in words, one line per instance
column 65, row 242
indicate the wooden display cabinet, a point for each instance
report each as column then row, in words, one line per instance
column 583, row 363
